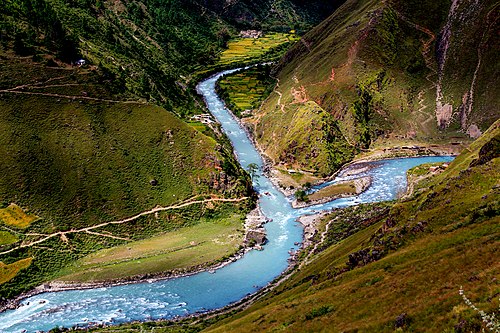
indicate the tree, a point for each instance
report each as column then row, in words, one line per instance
column 301, row 195
column 252, row 169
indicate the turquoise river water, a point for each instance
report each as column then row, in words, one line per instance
column 205, row 291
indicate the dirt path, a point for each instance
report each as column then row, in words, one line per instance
column 63, row 234
column 282, row 106
column 43, row 85
column 37, row 84
column 70, row 97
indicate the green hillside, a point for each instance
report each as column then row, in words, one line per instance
column 76, row 154
column 388, row 74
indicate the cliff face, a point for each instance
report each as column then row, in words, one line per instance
column 397, row 72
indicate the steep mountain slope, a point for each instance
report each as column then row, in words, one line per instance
column 383, row 74
column 401, row 268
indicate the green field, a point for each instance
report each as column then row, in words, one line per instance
column 244, row 91
column 178, row 251
column 244, row 50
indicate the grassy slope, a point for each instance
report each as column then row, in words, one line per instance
column 184, row 249
column 364, row 66
column 421, row 270
column 75, row 162
column 89, row 161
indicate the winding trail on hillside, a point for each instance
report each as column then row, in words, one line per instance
column 63, row 234
column 43, row 85
column 8, row 91
column 429, row 63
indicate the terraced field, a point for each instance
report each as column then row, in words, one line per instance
column 245, row 90
column 13, row 215
column 245, row 49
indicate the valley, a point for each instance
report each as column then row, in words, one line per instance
column 127, row 185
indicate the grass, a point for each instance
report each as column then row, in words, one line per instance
column 334, row 190
column 303, row 137
column 13, row 215
column 7, row 238
column 294, row 179
column 178, row 250
column 8, row 272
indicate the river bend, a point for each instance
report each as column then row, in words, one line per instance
column 204, row 291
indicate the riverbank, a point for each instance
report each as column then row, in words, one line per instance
column 253, row 239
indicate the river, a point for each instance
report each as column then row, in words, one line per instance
column 204, row 291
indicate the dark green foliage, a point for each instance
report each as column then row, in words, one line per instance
column 301, row 195
column 363, row 110
column 274, row 15
column 364, row 106
column 339, row 150
column 387, row 32
column 318, row 312
column 429, row 13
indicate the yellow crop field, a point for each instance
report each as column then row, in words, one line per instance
column 15, row 216
column 7, row 238
column 8, row 272
column 242, row 49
